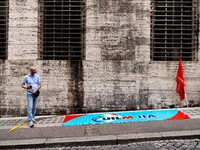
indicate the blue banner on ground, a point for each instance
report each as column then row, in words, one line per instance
column 123, row 117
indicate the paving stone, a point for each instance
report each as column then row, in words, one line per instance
column 172, row 148
column 178, row 144
column 184, row 146
column 150, row 145
column 187, row 143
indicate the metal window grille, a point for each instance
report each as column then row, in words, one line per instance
column 62, row 29
column 174, row 30
column 3, row 28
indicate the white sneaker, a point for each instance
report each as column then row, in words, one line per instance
column 31, row 124
column 34, row 121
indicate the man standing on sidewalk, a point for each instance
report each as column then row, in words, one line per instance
column 32, row 83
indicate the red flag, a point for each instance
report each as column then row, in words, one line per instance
column 180, row 81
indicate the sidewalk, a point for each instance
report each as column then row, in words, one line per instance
column 49, row 132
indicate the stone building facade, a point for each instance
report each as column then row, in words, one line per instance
column 116, row 72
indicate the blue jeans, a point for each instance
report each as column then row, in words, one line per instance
column 32, row 103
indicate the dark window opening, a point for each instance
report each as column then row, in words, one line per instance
column 174, row 30
column 3, row 28
column 62, row 29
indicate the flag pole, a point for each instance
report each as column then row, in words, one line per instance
column 186, row 98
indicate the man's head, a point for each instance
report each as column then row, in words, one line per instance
column 32, row 70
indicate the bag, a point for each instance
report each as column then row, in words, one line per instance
column 37, row 94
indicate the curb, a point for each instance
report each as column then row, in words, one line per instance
column 99, row 140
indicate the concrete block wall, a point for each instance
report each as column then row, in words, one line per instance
column 116, row 74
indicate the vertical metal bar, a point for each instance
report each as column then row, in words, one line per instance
column 181, row 47
column 6, row 34
column 166, row 9
column 70, row 18
column 194, row 29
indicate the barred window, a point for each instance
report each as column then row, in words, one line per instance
column 62, row 29
column 3, row 28
column 174, row 30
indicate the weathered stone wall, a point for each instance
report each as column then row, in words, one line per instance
column 3, row 102
column 23, row 52
column 116, row 74
column 119, row 74
column 23, row 30
column 117, row 54
column 55, row 79
column 62, row 90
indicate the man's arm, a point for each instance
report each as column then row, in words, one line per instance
column 39, row 86
column 23, row 85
